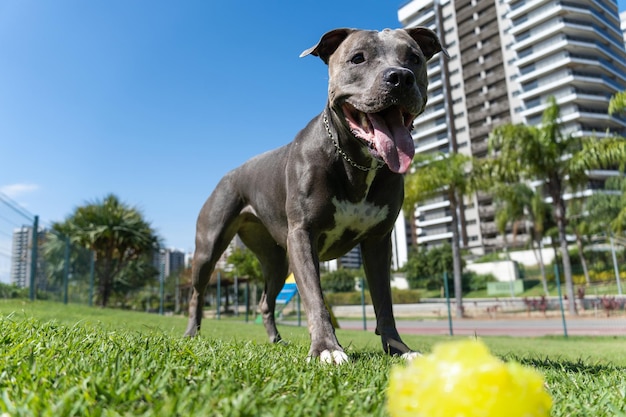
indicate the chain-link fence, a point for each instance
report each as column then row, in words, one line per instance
column 37, row 262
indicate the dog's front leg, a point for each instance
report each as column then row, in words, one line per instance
column 305, row 266
column 376, row 255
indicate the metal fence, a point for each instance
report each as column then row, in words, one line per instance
column 45, row 265
column 41, row 262
column 37, row 262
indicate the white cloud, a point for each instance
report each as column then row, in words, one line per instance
column 15, row 190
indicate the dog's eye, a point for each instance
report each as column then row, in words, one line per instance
column 358, row 58
column 415, row 58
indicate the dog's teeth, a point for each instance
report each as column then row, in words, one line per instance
column 364, row 121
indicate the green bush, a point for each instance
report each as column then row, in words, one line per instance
column 13, row 291
column 347, row 298
column 477, row 282
column 424, row 268
column 341, row 280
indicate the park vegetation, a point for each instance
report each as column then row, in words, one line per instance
column 528, row 171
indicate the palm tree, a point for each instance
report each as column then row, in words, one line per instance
column 579, row 225
column 519, row 203
column 561, row 161
column 540, row 219
column 116, row 233
column 511, row 202
column 438, row 173
column 607, row 211
column 53, row 251
column 618, row 103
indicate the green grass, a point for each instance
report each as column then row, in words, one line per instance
column 58, row 360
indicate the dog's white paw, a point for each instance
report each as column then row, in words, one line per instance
column 335, row 357
column 409, row 356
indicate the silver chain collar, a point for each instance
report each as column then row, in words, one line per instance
column 344, row 154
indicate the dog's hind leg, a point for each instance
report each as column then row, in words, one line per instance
column 216, row 226
column 275, row 267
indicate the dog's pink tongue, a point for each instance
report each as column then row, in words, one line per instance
column 393, row 140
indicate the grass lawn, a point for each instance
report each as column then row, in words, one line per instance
column 58, row 360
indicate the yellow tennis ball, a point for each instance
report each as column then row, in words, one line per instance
column 462, row 379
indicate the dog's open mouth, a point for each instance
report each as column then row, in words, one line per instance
column 387, row 133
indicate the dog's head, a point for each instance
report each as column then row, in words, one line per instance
column 378, row 85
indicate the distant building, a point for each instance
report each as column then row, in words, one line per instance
column 21, row 252
column 234, row 244
column 622, row 18
column 169, row 260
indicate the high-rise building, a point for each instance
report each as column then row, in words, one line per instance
column 506, row 59
column 21, row 256
column 622, row 18
column 169, row 261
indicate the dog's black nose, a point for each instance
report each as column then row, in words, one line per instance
column 398, row 77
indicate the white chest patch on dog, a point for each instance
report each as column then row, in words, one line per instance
column 357, row 218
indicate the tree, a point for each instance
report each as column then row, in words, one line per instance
column 120, row 239
column 516, row 203
column 424, row 267
column 617, row 104
column 512, row 202
column 341, row 280
column 450, row 174
column 607, row 211
column 579, row 225
column 246, row 264
column 561, row 162
column 53, row 250
column 540, row 220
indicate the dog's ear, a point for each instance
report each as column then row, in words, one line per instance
column 328, row 44
column 428, row 41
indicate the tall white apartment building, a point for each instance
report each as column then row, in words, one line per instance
column 507, row 57
column 622, row 18
column 21, row 256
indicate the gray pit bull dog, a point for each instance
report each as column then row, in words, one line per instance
column 338, row 184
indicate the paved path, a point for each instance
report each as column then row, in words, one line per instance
column 505, row 327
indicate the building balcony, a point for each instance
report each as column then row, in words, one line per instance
column 494, row 109
column 416, row 13
column 480, row 131
column 479, row 147
column 420, row 131
column 521, row 8
column 494, row 94
column 433, row 222
column 464, row 13
column 585, row 88
column 432, row 112
column 590, row 116
column 430, row 146
column 433, row 238
column 432, row 206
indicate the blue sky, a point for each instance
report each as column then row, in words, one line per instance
column 155, row 101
